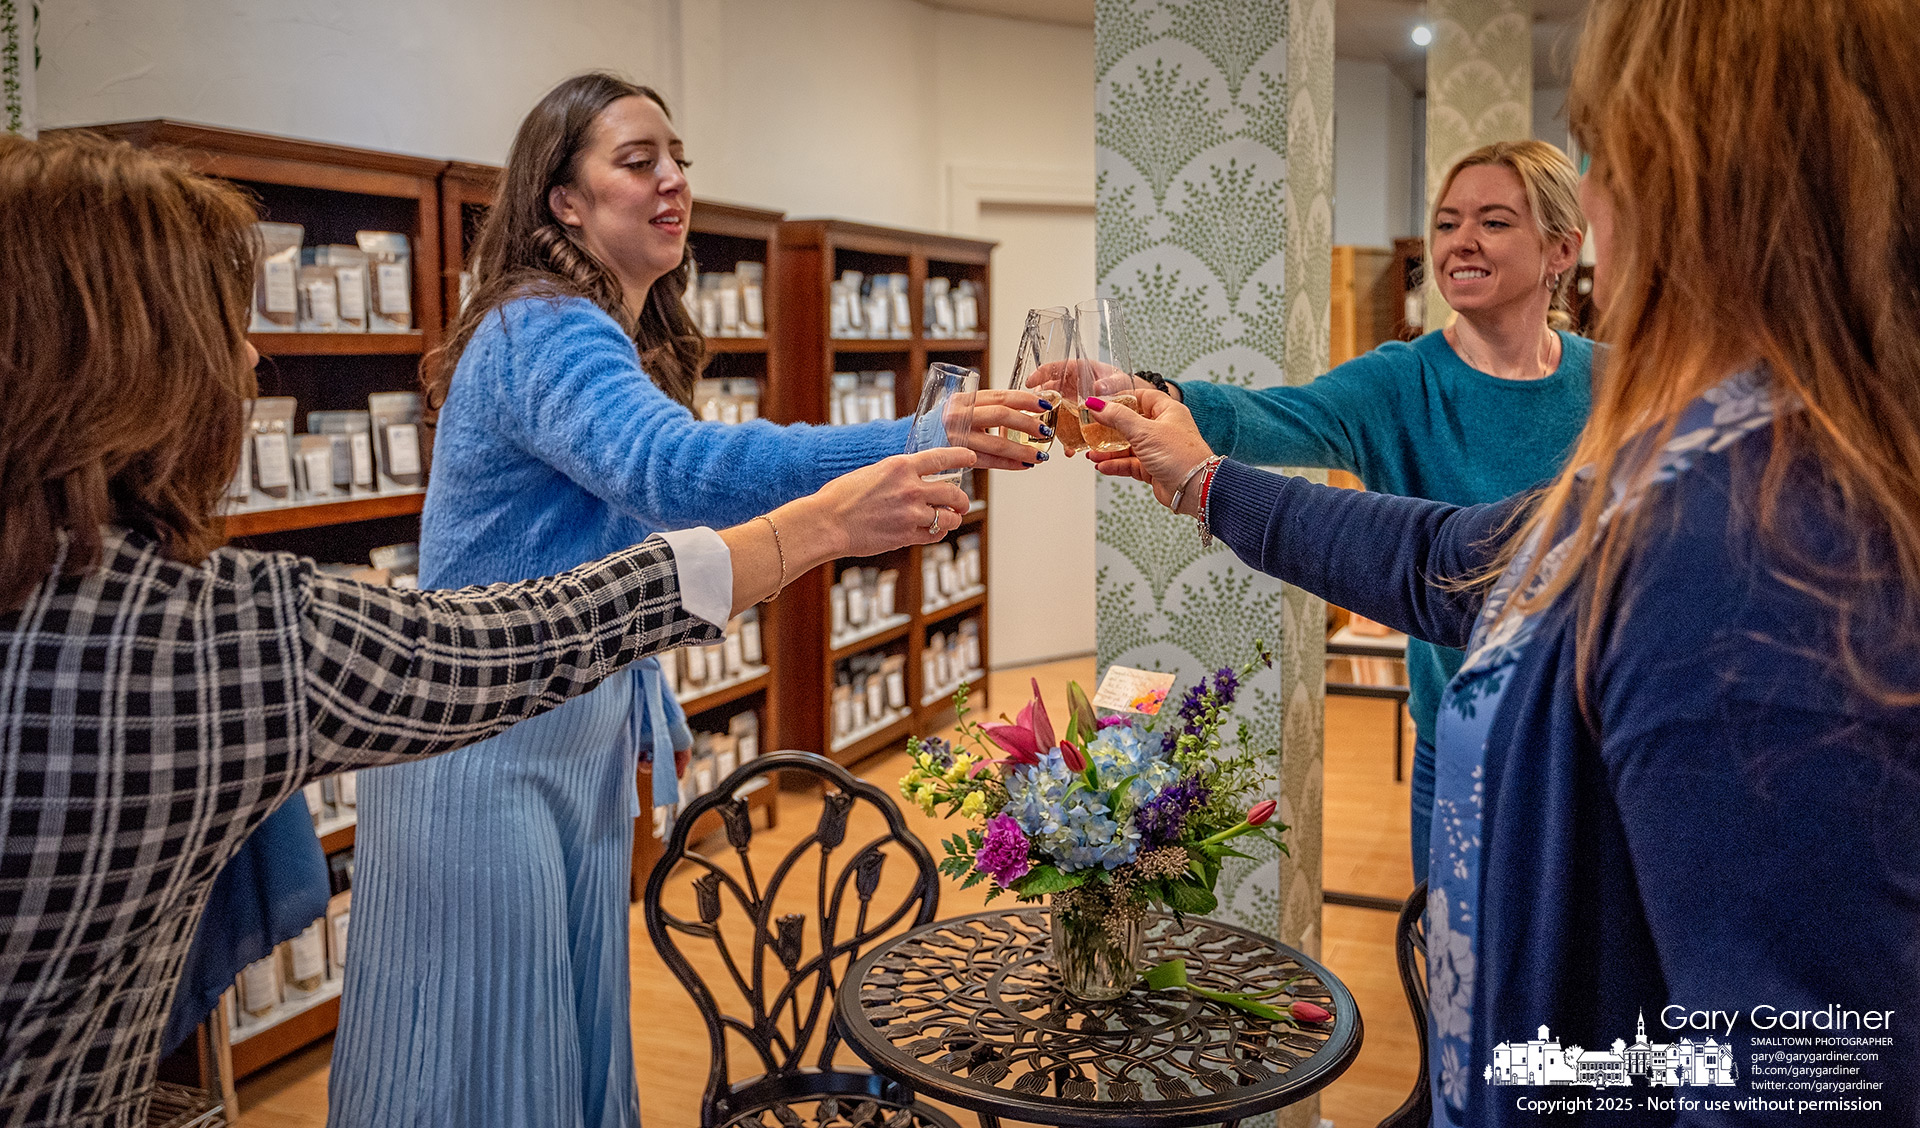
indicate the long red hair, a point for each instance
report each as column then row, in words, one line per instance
column 1759, row 158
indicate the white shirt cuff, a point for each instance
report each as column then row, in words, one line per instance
column 706, row 573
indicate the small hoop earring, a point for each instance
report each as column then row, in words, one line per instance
column 1553, row 283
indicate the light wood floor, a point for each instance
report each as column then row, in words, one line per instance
column 1365, row 852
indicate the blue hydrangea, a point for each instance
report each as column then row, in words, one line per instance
column 1129, row 750
column 1077, row 831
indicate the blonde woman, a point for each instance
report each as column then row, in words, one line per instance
column 1680, row 769
column 1475, row 412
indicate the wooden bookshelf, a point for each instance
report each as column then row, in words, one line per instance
column 812, row 254
column 259, row 522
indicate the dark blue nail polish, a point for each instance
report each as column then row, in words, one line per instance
column 1046, row 405
column 1042, row 458
column 1046, row 432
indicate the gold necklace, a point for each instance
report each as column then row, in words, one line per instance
column 1459, row 346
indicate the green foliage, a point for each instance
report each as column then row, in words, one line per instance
column 1232, row 222
column 1232, row 34
column 1042, row 880
column 1120, row 229
column 1172, row 325
column 1121, row 27
column 1160, row 544
column 1159, row 123
column 1267, row 113
column 1123, row 624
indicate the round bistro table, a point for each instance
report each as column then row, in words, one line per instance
column 970, row 1011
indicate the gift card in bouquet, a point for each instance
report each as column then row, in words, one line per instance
column 1127, row 690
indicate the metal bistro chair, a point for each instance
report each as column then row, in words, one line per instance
column 1410, row 951
column 784, row 965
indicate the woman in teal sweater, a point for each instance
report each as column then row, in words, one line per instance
column 487, row 979
column 1476, row 412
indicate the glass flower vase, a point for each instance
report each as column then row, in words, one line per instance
column 1098, row 954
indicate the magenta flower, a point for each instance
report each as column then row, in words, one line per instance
column 1003, row 853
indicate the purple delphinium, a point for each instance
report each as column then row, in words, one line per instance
column 1003, row 852
column 940, row 750
column 1161, row 818
column 1225, row 685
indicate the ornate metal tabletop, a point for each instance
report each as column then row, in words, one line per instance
column 970, row 1011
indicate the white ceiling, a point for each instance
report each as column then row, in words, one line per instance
column 1374, row 30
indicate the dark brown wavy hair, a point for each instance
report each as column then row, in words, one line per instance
column 522, row 250
column 123, row 314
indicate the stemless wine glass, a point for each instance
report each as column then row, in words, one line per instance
column 1103, row 367
column 1045, row 341
column 945, row 415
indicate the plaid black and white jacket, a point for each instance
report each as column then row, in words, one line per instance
column 152, row 713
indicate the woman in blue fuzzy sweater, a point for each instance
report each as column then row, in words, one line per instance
column 1679, row 772
column 487, row 982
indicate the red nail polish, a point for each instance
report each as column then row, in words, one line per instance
column 1095, row 403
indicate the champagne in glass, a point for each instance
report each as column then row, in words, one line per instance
column 1104, row 362
column 945, row 415
column 1044, row 342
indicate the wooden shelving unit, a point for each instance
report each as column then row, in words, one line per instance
column 720, row 236
column 812, row 253
column 259, row 522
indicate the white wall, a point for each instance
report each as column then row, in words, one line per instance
column 1550, row 115
column 1372, row 154
column 853, row 108
column 885, row 111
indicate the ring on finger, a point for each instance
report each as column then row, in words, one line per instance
column 934, row 528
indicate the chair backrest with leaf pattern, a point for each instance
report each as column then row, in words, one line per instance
column 776, row 932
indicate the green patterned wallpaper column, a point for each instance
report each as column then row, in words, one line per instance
column 1214, row 158
column 1479, row 88
column 17, row 63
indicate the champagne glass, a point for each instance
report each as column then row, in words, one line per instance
column 1103, row 368
column 1045, row 341
column 945, row 415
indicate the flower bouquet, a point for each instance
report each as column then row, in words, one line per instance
column 1107, row 817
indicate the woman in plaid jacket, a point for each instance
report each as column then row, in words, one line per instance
column 161, row 695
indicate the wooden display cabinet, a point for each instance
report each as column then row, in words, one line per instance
column 812, row 254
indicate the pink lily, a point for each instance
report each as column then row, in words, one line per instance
column 1014, row 739
column 1035, row 715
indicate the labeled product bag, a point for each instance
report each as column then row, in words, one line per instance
column 276, row 278
column 390, row 270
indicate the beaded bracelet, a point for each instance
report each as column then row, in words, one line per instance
column 1205, row 521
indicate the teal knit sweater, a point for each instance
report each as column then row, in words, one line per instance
column 1411, row 418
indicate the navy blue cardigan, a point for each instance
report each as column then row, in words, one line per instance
column 1738, row 830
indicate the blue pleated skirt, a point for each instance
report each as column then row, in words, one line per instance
column 487, row 974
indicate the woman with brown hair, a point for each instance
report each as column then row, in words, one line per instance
column 161, row 695
column 496, row 991
column 1475, row 412
column 1678, row 775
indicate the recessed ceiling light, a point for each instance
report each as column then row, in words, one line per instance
column 1422, row 35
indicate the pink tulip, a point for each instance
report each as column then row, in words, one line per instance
column 1261, row 812
column 1073, row 758
column 1309, row 1012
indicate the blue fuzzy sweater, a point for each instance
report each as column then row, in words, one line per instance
column 554, row 449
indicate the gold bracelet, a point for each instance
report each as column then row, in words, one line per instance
column 781, row 551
